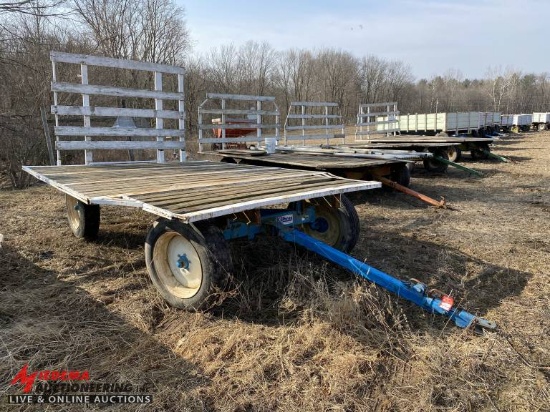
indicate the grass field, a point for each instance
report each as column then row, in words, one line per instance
column 296, row 333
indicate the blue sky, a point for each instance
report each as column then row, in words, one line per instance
column 431, row 36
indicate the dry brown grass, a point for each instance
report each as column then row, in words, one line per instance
column 300, row 334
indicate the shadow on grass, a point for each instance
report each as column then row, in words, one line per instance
column 266, row 267
column 56, row 325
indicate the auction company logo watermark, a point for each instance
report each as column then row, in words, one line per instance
column 73, row 387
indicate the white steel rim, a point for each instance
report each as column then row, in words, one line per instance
column 73, row 213
column 185, row 281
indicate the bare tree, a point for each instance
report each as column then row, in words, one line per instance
column 165, row 37
column 25, row 72
column 500, row 85
column 255, row 64
column 150, row 30
column 222, row 67
column 338, row 74
column 373, row 76
column 32, row 7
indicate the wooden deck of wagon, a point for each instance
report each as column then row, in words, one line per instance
column 194, row 190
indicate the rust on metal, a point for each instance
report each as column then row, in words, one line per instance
column 410, row 192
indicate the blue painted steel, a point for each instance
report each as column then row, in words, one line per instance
column 414, row 292
column 238, row 229
column 270, row 218
column 183, row 262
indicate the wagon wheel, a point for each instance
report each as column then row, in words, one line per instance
column 336, row 226
column 454, row 153
column 433, row 165
column 83, row 219
column 401, row 175
column 188, row 266
column 480, row 153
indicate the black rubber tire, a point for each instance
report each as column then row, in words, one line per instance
column 401, row 175
column 83, row 219
column 454, row 153
column 345, row 223
column 212, row 251
column 480, row 153
column 434, row 166
column 353, row 222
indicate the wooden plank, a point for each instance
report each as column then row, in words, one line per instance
column 250, row 125
column 56, row 56
column 213, row 191
column 244, row 172
column 256, row 203
column 249, row 138
column 88, row 155
column 314, row 104
column 115, row 112
column 239, row 111
column 312, row 127
column 113, row 91
column 379, row 114
column 312, row 136
column 240, row 97
column 154, row 187
column 115, row 131
column 377, row 122
column 197, row 168
column 192, row 205
column 313, row 116
column 181, row 121
column 122, row 145
column 159, row 121
column 53, row 183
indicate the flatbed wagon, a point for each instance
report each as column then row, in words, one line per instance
column 435, row 129
column 201, row 205
column 190, row 191
column 312, row 125
column 479, row 147
column 350, row 167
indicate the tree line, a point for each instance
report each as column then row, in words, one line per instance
column 155, row 30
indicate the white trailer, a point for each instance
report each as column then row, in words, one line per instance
column 452, row 123
column 541, row 120
column 475, row 123
column 490, row 119
column 522, row 121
